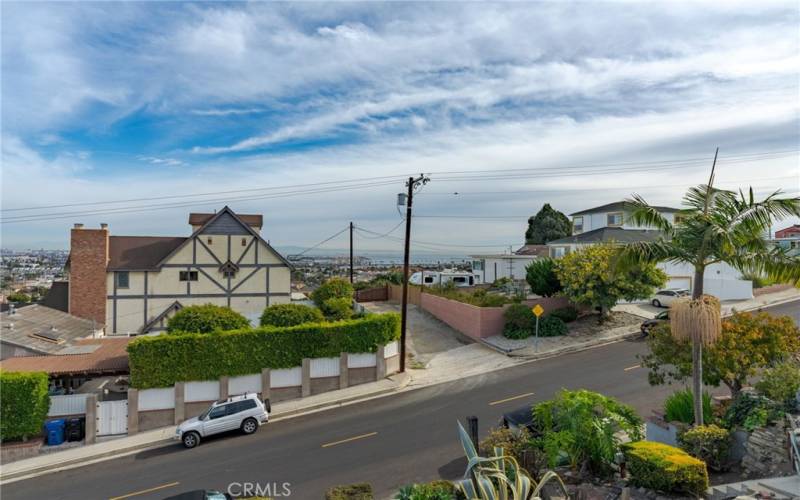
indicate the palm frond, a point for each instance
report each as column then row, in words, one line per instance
column 643, row 214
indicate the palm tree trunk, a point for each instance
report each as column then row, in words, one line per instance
column 697, row 354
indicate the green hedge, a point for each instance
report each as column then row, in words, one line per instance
column 163, row 360
column 665, row 468
column 24, row 404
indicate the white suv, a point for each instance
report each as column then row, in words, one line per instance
column 245, row 412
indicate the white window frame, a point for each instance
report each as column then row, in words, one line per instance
column 614, row 214
column 575, row 224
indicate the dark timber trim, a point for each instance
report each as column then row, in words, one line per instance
column 114, row 323
column 213, row 265
column 212, row 280
column 246, row 250
column 145, row 296
column 254, row 271
column 201, row 295
column 213, row 255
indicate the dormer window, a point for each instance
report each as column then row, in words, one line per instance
column 229, row 269
column 209, row 240
column 577, row 225
column 614, row 219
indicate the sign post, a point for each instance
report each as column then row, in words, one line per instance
column 538, row 310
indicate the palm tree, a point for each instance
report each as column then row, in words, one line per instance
column 716, row 226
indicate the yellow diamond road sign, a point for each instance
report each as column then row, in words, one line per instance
column 538, row 310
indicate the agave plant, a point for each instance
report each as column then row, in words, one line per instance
column 498, row 477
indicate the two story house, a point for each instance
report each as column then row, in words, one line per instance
column 611, row 223
column 133, row 284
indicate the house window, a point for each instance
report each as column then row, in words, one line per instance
column 614, row 219
column 577, row 225
column 123, row 279
column 559, row 251
column 679, row 219
column 229, row 273
column 209, row 240
column 187, row 275
column 244, row 242
column 477, row 265
column 428, row 280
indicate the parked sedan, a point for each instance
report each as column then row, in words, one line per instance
column 647, row 325
column 665, row 298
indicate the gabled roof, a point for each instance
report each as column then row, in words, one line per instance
column 29, row 323
column 619, row 206
column 255, row 220
column 140, row 253
column 106, row 355
column 175, row 306
column 608, row 235
column 247, row 227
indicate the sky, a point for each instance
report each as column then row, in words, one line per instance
column 313, row 114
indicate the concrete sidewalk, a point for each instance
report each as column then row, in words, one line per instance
column 126, row 445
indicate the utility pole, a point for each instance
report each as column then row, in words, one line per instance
column 412, row 184
column 351, row 252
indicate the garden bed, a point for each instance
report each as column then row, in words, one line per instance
column 579, row 331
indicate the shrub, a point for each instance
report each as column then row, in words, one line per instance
column 709, row 443
column 665, row 468
column 435, row 490
column 24, row 405
column 19, row 297
column 584, row 425
column 520, row 321
column 358, row 491
column 512, row 442
column 751, row 412
column 781, row 383
column 541, row 276
column 162, row 360
column 679, row 407
column 290, row 315
column 551, row 327
column 337, row 309
column 206, row 319
column 566, row 314
column 334, row 288
column 479, row 298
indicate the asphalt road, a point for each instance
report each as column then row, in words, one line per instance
column 389, row 442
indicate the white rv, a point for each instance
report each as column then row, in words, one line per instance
column 431, row 278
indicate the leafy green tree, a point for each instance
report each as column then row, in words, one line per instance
column 24, row 405
column 715, row 226
column 748, row 343
column 547, row 225
column 541, row 276
column 338, row 308
column 334, row 288
column 591, row 277
column 206, row 318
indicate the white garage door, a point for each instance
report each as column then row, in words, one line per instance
column 679, row 282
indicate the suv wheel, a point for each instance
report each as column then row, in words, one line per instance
column 191, row 439
column 656, row 303
column 249, row 426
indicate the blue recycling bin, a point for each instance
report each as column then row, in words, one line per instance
column 55, row 431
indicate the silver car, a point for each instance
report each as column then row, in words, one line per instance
column 245, row 412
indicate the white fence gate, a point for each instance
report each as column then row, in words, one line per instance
column 112, row 417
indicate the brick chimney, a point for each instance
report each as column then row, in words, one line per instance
column 88, row 258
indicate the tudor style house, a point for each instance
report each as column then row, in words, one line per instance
column 133, row 284
column 611, row 223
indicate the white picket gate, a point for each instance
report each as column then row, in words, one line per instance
column 112, row 417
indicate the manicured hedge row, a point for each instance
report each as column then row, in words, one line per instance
column 665, row 468
column 163, row 360
column 24, row 404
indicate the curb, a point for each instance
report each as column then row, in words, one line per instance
column 404, row 381
column 578, row 348
column 771, row 304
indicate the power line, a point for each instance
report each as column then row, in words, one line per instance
column 429, row 243
column 320, row 243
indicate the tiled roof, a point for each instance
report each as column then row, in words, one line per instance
column 607, row 235
column 256, row 220
column 31, row 321
column 139, row 252
column 110, row 356
column 618, row 206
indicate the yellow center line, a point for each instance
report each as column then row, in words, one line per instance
column 142, row 492
column 632, row 368
column 362, row 436
column 511, row 399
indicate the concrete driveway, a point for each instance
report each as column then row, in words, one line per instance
column 643, row 310
column 427, row 336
